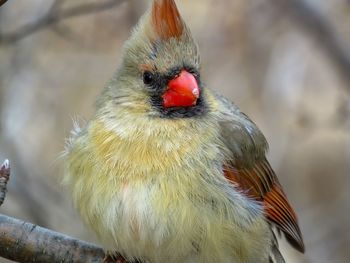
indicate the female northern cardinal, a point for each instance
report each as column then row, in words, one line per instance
column 170, row 171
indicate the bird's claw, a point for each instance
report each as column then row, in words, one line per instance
column 114, row 259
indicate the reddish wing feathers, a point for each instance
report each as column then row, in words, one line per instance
column 166, row 19
column 262, row 184
column 282, row 214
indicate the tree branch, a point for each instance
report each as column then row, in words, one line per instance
column 2, row 2
column 54, row 16
column 320, row 27
column 24, row 242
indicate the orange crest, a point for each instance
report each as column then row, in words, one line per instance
column 166, row 19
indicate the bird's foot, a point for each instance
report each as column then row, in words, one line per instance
column 116, row 258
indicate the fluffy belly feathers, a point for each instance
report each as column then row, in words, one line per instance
column 160, row 212
column 141, row 222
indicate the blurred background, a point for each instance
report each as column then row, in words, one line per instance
column 286, row 63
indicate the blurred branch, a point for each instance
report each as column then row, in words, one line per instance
column 320, row 27
column 24, row 242
column 4, row 177
column 2, row 2
column 56, row 15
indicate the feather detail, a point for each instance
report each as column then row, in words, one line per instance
column 280, row 212
column 275, row 254
column 261, row 184
column 166, row 20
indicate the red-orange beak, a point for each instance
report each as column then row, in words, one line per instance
column 183, row 91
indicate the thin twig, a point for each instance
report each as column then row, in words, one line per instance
column 24, row 242
column 54, row 16
column 4, row 177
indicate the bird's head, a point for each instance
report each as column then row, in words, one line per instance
column 159, row 74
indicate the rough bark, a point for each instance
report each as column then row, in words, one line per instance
column 25, row 242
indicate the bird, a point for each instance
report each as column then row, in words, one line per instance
column 169, row 170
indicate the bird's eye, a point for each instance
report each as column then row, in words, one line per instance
column 194, row 73
column 148, row 78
